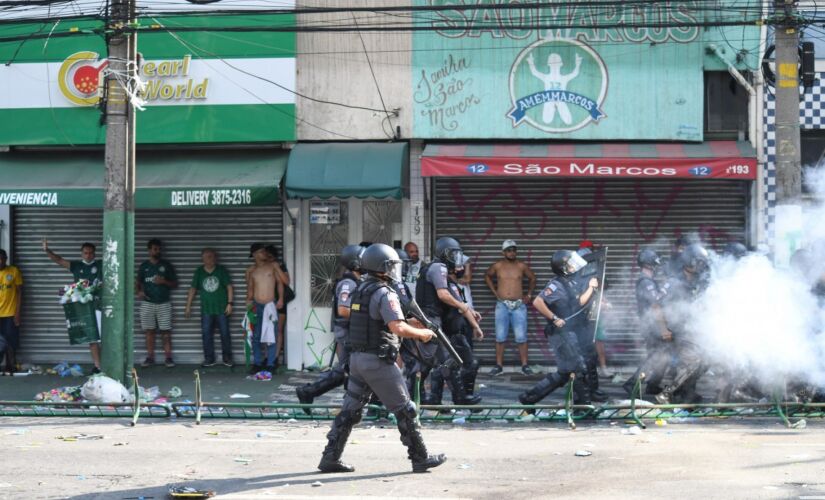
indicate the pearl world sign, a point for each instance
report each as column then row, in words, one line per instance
column 81, row 74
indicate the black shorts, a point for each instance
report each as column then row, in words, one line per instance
column 10, row 332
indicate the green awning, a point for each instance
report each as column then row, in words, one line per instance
column 343, row 170
column 165, row 179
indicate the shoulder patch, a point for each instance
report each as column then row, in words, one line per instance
column 650, row 286
column 395, row 305
column 345, row 287
column 343, row 296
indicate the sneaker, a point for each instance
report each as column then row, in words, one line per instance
column 228, row 362
column 604, row 372
column 205, row 364
column 95, row 370
column 169, row 363
column 526, row 370
column 496, row 371
column 148, row 362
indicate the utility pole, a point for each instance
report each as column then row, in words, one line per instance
column 119, row 196
column 788, row 159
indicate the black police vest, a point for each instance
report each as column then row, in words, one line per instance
column 365, row 333
column 338, row 320
column 642, row 304
column 454, row 321
column 426, row 294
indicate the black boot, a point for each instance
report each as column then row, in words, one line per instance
column 460, row 397
column 337, row 436
column 631, row 382
column 468, row 378
column 436, row 392
column 548, row 384
column 307, row 393
column 412, row 439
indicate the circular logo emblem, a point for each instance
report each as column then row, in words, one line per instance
column 79, row 78
column 94, row 269
column 9, row 277
column 162, row 269
column 557, row 86
column 211, row 284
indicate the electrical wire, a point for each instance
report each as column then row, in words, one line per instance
column 374, row 79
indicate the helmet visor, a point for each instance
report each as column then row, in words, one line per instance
column 394, row 270
column 455, row 256
column 575, row 263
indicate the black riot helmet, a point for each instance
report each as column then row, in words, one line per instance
column 736, row 250
column 566, row 262
column 695, row 258
column 351, row 257
column 380, row 258
column 648, row 258
column 448, row 251
column 405, row 263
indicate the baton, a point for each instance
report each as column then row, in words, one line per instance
column 418, row 314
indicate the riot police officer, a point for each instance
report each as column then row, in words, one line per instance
column 418, row 357
column 678, row 294
column 351, row 260
column 443, row 307
column 376, row 323
column 561, row 302
column 651, row 324
column 585, row 327
column 736, row 250
column 455, row 326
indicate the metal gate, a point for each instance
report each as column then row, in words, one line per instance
column 183, row 233
column 546, row 215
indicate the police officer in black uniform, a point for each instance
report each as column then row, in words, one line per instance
column 351, row 260
column 561, row 303
column 376, row 323
column 586, row 328
column 678, row 294
column 651, row 324
column 443, row 307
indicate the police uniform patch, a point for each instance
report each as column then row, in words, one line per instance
column 343, row 296
column 650, row 286
column 395, row 305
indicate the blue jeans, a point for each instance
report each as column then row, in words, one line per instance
column 257, row 348
column 208, row 324
column 515, row 318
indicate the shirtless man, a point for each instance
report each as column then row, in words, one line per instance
column 262, row 280
column 511, row 309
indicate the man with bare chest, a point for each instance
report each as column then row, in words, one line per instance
column 511, row 309
column 263, row 278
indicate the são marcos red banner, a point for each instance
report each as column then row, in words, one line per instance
column 742, row 168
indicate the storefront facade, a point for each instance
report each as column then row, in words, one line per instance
column 212, row 152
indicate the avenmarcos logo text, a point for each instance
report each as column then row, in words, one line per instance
column 79, row 78
column 557, row 86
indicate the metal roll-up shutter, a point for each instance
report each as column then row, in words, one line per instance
column 183, row 233
column 544, row 215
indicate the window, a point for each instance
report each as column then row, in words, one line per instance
column 726, row 107
column 813, row 153
column 328, row 234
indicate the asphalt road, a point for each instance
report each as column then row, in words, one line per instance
column 49, row 458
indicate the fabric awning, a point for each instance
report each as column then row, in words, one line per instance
column 343, row 170
column 706, row 160
column 165, row 179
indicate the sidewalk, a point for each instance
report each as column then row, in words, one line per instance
column 219, row 383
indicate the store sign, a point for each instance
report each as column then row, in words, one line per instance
column 204, row 89
column 638, row 168
column 624, row 71
column 325, row 212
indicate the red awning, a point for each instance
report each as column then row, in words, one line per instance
column 706, row 160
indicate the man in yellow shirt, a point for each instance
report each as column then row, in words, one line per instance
column 11, row 286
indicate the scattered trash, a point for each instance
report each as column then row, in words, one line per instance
column 189, row 492
column 661, row 422
column 242, row 460
column 102, row 389
column 529, row 417
column 292, row 421
column 799, row 424
column 149, row 394
column 81, row 478
column 174, row 392
column 464, row 466
column 213, row 433
column 632, row 431
column 261, row 375
column 64, row 370
column 583, row 453
column 17, row 432
column 121, row 443
column 460, row 420
column 238, row 395
column 60, row 395
column 316, row 484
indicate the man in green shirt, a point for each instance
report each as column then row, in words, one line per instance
column 212, row 281
column 87, row 268
column 156, row 278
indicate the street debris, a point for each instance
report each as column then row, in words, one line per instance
column 262, row 375
column 583, row 453
column 316, row 484
column 189, row 492
column 632, row 431
column 238, row 395
column 242, row 460
column 102, row 389
column 464, row 466
column 174, row 392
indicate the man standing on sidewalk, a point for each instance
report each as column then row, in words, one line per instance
column 156, row 278
column 511, row 309
column 11, row 299
column 212, row 281
column 87, row 268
